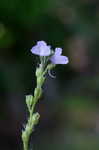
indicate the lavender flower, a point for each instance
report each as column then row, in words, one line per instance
column 41, row 49
column 57, row 58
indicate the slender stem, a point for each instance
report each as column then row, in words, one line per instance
column 25, row 145
column 33, row 117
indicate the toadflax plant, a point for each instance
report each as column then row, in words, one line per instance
column 48, row 60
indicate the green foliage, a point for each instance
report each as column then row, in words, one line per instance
column 6, row 37
column 24, row 13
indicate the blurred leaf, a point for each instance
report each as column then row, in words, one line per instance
column 20, row 12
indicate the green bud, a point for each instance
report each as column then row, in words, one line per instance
column 37, row 92
column 40, row 80
column 29, row 101
column 35, row 118
column 28, row 129
column 24, row 136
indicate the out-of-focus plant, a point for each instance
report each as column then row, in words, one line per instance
column 6, row 37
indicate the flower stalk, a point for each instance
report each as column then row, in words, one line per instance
column 46, row 55
column 31, row 102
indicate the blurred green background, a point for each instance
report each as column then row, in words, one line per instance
column 69, row 107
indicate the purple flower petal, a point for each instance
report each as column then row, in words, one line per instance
column 58, row 51
column 41, row 49
column 57, row 58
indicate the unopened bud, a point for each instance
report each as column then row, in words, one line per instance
column 40, row 80
column 35, row 118
column 29, row 100
column 37, row 92
column 24, row 136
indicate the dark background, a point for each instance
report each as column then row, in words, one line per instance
column 69, row 106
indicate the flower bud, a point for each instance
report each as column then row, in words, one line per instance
column 28, row 130
column 24, row 136
column 35, row 118
column 40, row 80
column 29, row 100
column 37, row 93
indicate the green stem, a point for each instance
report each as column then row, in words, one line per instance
column 33, row 117
column 25, row 145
